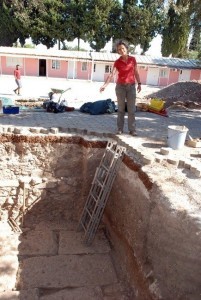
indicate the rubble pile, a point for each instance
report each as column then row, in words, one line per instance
column 31, row 103
column 184, row 94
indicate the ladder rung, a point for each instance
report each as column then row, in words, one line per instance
column 94, row 198
column 99, row 183
column 83, row 226
column 89, row 213
column 110, row 151
column 105, row 167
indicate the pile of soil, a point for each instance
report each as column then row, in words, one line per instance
column 187, row 93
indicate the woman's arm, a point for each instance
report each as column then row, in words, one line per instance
column 137, row 76
column 112, row 74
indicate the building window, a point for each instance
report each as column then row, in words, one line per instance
column 94, row 68
column 13, row 61
column 84, row 66
column 108, row 69
column 163, row 73
column 55, row 64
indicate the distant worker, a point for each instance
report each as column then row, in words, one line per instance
column 126, row 66
column 17, row 76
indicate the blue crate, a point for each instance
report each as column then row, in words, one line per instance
column 11, row 110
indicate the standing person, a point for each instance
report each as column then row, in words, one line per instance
column 17, row 76
column 126, row 67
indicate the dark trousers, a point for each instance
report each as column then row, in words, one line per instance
column 126, row 93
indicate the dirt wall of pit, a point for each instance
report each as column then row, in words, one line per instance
column 157, row 247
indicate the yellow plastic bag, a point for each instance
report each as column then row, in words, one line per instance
column 157, row 104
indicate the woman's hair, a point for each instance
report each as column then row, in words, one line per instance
column 119, row 43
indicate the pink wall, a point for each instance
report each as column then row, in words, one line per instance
column 143, row 75
column 31, row 66
column 173, row 77
column 9, row 70
column 83, row 74
column 163, row 81
column 60, row 73
column 195, row 75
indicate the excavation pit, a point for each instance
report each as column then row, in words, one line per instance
column 149, row 241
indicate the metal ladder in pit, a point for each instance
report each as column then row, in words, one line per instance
column 100, row 190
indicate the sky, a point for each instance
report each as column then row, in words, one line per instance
column 154, row 50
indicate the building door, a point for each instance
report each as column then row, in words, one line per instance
column 184, row 75
column 153, row 76
column 98, row 72
column 72, row 69
column 42, row 67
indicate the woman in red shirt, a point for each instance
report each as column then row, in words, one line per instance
column 126, row 67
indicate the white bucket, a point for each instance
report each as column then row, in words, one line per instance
column 176, row 136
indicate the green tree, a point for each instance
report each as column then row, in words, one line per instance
column 176, row 31
column 8, row 32
column 74, row 21
column 141, row 21
column 39, row 19
column 101, row 21
column 195, row 43
column 134, row 24
column 129, row 2
column 156, row 15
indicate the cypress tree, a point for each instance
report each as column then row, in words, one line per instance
column 176, row 31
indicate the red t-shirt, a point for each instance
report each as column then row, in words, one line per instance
column 126, row 69
column 17, row 74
